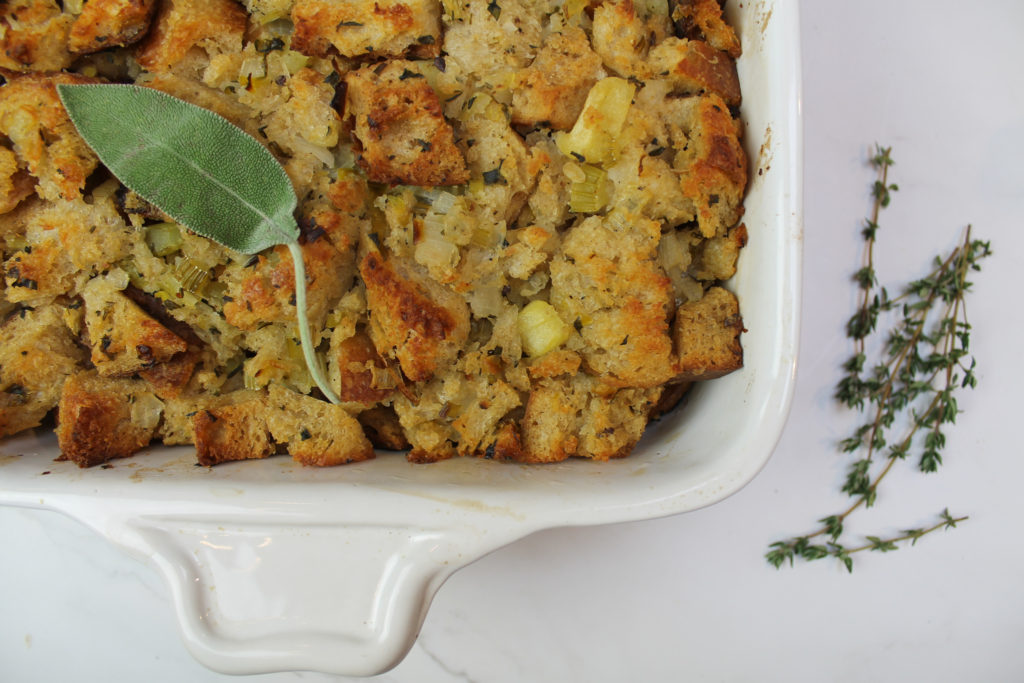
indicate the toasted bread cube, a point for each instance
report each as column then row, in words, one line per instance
column 110, row 23
column 695, row 19
column 37, row 353
column 124, row 338
column 555, row 86
column 379, row 28
column 95, row 419
column 43, row 137
column 396, row 117
column 412, row 318
column 33, row 36
column 711, row 162
column 694, row 67
column 186, row 33
column 707, row 336
column 317, row 433
column 236, row 431
column 581, row 416
column 606, row 280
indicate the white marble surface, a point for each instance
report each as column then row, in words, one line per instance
column 690, row 597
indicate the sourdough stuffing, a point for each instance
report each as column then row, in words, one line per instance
column 516, row 219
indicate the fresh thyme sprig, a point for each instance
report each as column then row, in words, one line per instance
column 909, row 395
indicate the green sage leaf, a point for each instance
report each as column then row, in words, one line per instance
column 199, row 168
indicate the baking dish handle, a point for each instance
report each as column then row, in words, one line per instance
column 343, row 599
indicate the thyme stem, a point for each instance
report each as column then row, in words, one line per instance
column 913, row 383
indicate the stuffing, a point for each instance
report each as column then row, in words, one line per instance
column 517, row 221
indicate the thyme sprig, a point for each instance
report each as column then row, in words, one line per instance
column 909, row 394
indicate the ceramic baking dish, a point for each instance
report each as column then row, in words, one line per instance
column 274, row 567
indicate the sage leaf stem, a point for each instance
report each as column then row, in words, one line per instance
column 308, row 348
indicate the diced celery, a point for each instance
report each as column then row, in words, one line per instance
column 594, row 135
column 294, row 61
column 163, row 238
column 540, row 328
column 192, row 276
column 591, row 194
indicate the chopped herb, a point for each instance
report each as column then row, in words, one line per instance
column 579, row 157
column 494, row 8
column 304, row 434
column 406, row 73
column 349, row 23
column 426, row 40
column 494, row 177
column 266, row 46
column 426, row 146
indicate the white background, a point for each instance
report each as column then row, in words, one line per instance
column 691, row 597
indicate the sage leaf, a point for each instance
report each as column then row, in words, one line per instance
column 196, row 166
column 201, row 170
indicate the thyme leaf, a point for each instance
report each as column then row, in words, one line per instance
column 201, row 170
column 908, row 394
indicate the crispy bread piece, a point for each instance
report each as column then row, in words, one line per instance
column 233, row 431
column 694, row 67
column 413, row 319
column 33, row 35
column 606, row 279
column 707, row 336
column 696, row 19
column 185, row 33
column 37, row 353
column 96, row 421
column 110, row 23
column 376, row 28
column 553, row 88
column 317, row 433
column 711, row 162
column 43, row 137
column 396, row 117
column 124, row 339
column 581, row 416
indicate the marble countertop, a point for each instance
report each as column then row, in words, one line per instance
column 691, row 597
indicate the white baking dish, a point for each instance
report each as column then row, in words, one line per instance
column 276, row 567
